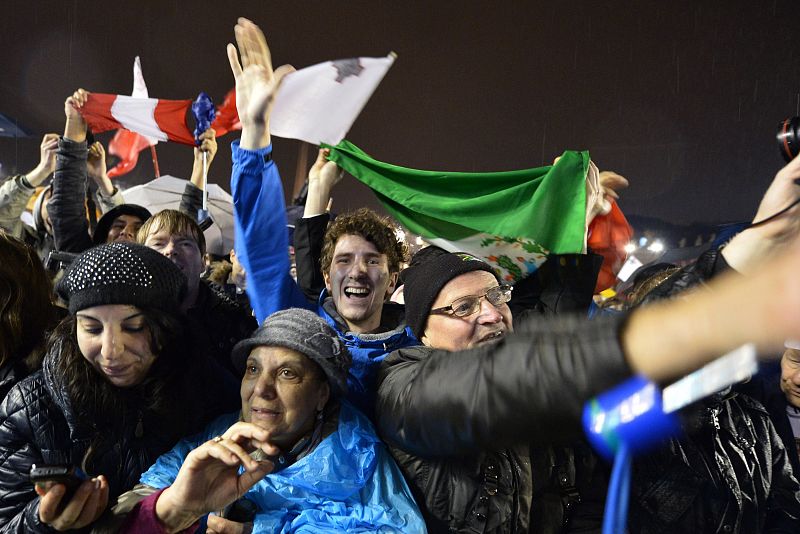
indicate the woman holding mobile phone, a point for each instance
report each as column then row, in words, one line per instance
column 121, row 382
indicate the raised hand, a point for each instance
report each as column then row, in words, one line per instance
column 256, row 83
column 209, row 478
column 208, row 146
column 749, row 248
column 322, row 177
column 75, row 128
column 47, row 160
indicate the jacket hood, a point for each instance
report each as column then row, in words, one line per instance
column 392, row 319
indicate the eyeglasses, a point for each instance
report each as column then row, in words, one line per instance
column 466, row 306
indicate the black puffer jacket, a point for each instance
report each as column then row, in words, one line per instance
column 38, row 425
column 459, row 423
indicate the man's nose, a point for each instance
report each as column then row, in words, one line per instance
column 358, row 268
column 489, row 314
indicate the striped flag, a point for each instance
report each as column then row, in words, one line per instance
column 511, row 219
column 163, row 120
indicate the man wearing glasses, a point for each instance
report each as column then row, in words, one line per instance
column 463, row 412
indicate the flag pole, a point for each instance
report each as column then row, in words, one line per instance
column 205, row 181
column 155, row 160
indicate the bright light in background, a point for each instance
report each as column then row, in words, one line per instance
column 630, row 247
column 419, row 240
column 642, row 241
column 656, row 246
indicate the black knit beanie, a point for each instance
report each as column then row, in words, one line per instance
column 122, row 273
column 307, row 333
column 424, row 281
column 108, row 218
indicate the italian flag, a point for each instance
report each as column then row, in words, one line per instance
column 511, row 219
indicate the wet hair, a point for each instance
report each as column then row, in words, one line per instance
column 26, row 303
column 364, row 222
column 175, row 223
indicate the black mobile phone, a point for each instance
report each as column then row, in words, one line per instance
column 46, row 476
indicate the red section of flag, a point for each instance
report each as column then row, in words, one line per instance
column 170, row 115
column 227, row 118
column 608, row 235
column 126, row 145
column 97, row 112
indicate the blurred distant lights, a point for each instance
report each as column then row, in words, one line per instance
column 630, row 247
column 656, row 246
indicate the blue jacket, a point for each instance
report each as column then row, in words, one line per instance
column 348, row 483
column 261, row 240
column 368, row 350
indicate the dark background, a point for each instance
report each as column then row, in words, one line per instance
column 682, row 97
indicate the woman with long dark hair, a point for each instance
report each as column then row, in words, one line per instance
column 27, row 311
column 119, row 385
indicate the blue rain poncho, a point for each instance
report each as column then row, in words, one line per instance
column 348, row 483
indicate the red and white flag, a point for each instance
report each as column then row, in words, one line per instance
column 126, row 144
column 163, row 120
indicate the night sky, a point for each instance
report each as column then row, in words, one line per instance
column 682, row 97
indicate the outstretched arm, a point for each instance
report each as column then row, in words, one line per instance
column 261, row 240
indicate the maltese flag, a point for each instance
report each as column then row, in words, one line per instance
column 320, row 103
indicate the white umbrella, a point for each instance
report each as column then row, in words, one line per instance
column 165, row 193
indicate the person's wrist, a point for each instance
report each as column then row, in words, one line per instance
column 173, row 518
column 255, row 135
column 37, row 175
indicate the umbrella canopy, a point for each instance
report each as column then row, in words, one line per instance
column 165, row 193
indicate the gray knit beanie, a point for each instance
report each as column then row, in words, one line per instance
column 122, row 273
column 308, row 334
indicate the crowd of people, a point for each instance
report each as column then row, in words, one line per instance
column 377, row 392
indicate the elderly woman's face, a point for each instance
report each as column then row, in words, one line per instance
column 115, row 339
column 282, row 391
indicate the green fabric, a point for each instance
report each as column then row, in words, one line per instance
column 545, row 204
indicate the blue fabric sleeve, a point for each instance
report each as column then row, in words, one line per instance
column 261, row 240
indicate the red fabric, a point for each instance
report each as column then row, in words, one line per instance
column 227, row 118
column 608, row 235
column 143, row 519
column 126, row 145
column 97, row 112
column 170, row 115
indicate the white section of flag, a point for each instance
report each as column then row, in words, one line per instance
column 312, row 106
column 140, row 88
column 137, row 115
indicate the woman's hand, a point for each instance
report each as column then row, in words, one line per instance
column 84, row 508
column 209, row 478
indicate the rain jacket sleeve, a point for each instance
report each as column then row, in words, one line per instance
column 261, row 240
column 528, row 388
column 14, row 195
column 66, row 207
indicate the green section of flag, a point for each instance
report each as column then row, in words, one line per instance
column 544, row 204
